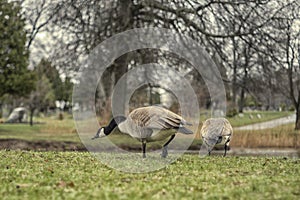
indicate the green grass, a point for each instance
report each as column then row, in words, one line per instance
column 74, row 175
column 48, row 129
column 57, row 130
column 251, row 117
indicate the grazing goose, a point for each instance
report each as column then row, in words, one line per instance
column 215, row 131
column 148, row 124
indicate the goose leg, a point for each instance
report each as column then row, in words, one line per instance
column 207, row 146
column 164, row 153
column 144, row 149
column 225, row 148
column 210, row 149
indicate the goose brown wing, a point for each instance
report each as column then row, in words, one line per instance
column 154, row 117
column 227, row 128
column 211, row 131
column 214, row 128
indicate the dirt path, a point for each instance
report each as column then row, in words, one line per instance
column 282, row 152
column 269, row 124
column 40, row 145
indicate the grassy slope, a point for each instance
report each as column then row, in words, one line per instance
column 252, row 117
column 73, row 175
column 51, row 129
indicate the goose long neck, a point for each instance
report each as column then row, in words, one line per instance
column 113, row 124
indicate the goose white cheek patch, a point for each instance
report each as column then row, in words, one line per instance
column 102, row 134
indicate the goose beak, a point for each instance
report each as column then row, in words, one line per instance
column 99, row 134
column 95, row 137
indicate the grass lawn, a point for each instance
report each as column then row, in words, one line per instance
column 57, row 130
column 49, row 129
column 75, row 175
column 253, row 117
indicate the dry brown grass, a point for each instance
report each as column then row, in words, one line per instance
column 279, row 137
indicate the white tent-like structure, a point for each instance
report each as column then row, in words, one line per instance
column 18, row 115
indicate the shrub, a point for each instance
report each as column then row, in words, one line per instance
column 231, row 112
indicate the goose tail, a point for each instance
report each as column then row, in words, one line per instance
column 188, row 123
column 184, row 130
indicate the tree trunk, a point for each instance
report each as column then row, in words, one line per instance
column 290, row 72
column 120, row 69
column 242, row 101
column 31, row 116
column 234, row 78
column 297, row 124
column 245, row 81
column 125, row 22
column 297, row 127
column 1, row 110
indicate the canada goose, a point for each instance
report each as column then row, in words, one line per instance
column 148, row 124
column 215, row 131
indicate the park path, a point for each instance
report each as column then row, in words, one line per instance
column 269, row 124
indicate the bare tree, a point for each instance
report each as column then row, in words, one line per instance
column 230, row 29
column 43, row 95
column 280, row 43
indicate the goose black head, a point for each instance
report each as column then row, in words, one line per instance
column 106, row 130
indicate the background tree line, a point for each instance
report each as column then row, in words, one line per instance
column 255, row 44
column 36, row 88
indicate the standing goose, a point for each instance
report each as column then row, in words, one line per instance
column 215, row 131
column 148, row 124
